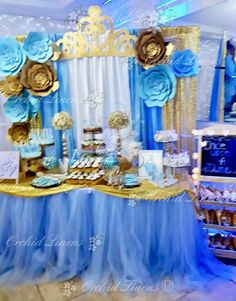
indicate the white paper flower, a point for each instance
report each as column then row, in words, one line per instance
column 62, row 121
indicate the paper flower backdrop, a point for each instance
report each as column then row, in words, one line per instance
column 11, row 86
column 37, row 47
column 26, row 68
column 12, row 57
column 157, row 85
column 39, row 79
column 19, row 133
column 21, row 108
column 185, row 63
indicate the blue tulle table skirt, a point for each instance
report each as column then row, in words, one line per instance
column 99, row 237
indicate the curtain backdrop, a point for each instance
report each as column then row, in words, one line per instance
column 216, row 87
column 98, row 87
column 146, row 121
column 57, row 102
column 208, row 60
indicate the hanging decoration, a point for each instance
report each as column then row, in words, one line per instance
column 157, row 85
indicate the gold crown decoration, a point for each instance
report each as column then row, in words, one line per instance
column 96, row 37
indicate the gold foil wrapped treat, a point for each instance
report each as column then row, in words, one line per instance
column 206, row 215
column 234, row 219
column 218, row 216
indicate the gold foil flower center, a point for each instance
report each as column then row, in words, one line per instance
column 41, row 78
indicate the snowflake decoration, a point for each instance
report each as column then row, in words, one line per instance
column 95, row 242
column 132, row 203
column 148, row 21
column 133, row 200
column 73, row 18
column 69, row 288
column 94, row 99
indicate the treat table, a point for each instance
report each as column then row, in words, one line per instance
column 98, row 233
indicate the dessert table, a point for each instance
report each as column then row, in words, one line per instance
column 143, row 234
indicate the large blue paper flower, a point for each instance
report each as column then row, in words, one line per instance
column 185, row 63
column 157, row 85
column 21, row 108
column 12, row 57
column 37, row 47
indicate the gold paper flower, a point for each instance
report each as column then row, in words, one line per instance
column 118, row 120
column 150, row 47
column 19, row 133
column 39, row 79
column 62, row 121
column 11, row 86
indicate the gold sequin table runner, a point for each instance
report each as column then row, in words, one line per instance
column 146, row 191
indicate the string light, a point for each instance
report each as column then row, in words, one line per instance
column 195, row 177
column 204, row 144
column 196, row 170
column 195, row 132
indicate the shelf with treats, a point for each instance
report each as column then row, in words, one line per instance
column 219, row 227
column 86, row 169
column 85, row 182
column 85, row 178
column 215, row 203
column 93, row 130
column 94, row 147
column 224, row 253
column 93, row 140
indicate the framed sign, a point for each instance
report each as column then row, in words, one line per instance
column 217, row 154
column 150, row 164
column 9, row 165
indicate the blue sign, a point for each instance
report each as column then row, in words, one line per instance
column 219, row 156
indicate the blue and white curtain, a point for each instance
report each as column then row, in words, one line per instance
column 146, row 121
